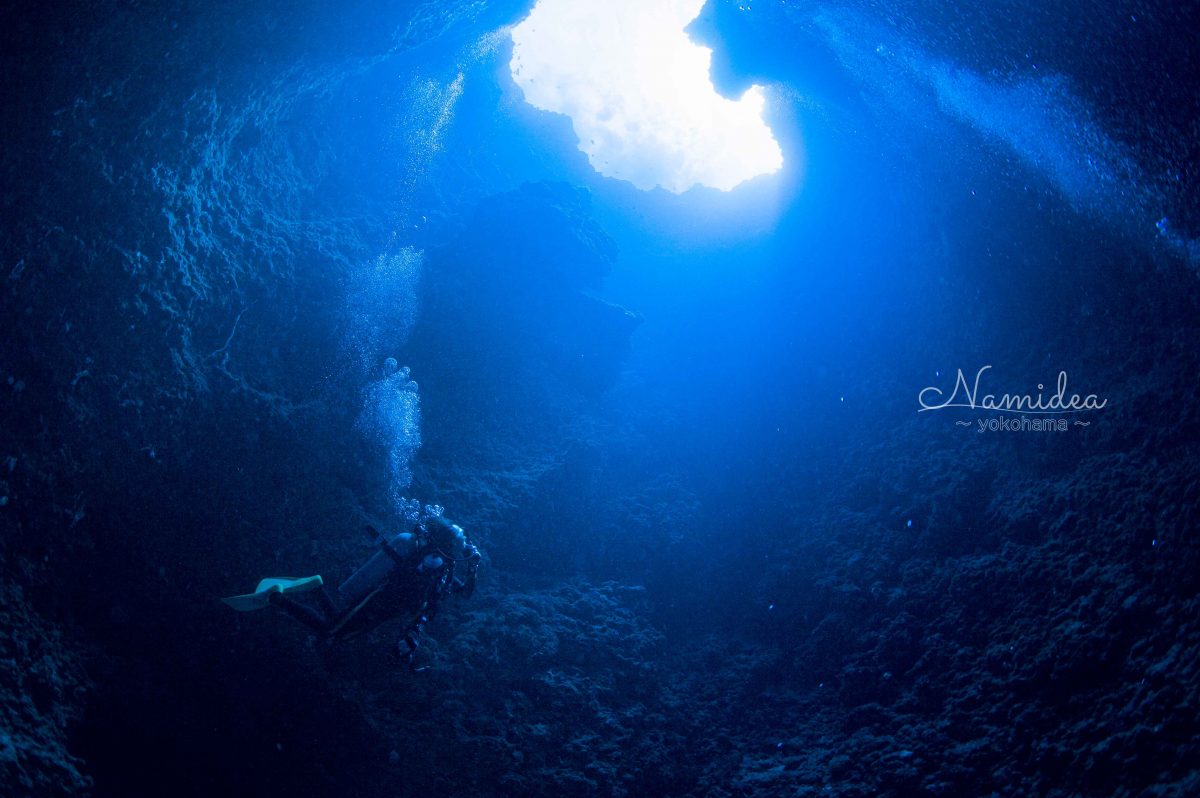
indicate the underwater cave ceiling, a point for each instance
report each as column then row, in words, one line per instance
column 274, row 272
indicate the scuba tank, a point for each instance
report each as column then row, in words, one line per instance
column 374, row 573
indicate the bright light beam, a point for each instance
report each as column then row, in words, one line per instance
column 638, row 93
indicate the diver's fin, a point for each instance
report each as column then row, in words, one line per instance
column 261, row 597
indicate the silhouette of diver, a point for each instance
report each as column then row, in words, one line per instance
column 409, row 576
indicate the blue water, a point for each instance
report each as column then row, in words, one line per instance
column 274, row 272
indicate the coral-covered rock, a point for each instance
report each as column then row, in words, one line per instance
column 43, row 691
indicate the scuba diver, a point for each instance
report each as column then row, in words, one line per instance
column 409, row 576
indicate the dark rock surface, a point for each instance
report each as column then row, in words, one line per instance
column 43, row 686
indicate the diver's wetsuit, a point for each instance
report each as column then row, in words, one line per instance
column 404, row 576
column 320, row 622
